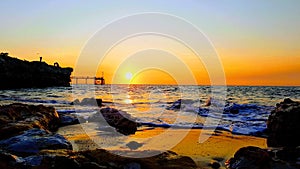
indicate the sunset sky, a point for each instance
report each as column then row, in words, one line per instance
column 257, row 42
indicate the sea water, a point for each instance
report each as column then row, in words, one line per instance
column 244, row 109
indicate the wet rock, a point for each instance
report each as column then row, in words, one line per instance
column 68, row 119
column 121, row 120
column 75, row 102
column 180, row 104
column 132, row 166
column 214, row 164
column 89, row 102
column 285, row 157
column 283, row 125
column 282, row 139
column 208, row 102
column 250, row 158
column 8, row 161
column 34, row 140
column 93, row 165
column 164, row 160
column 269, row 158
column 16, row 118
column 96, row 159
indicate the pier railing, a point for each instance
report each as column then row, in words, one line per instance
column 96, row 80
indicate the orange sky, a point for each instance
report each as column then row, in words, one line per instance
column 257, row 42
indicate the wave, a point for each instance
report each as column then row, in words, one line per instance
column 246, row 118
column 36, row 100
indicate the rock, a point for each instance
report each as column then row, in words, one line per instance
column 8, row 161
column 95, row 159
column 32, row 161
column 132, row 166
column 180, row 104
column 31, row 144
column 34, row 140
column 283, row 125
column 88, row 102
column 250, row 158
column 68, row 119
column 121, row 120
column 17, row 118
column 214, row 164
column 165, row 160
column 208, row 102
column 93, row 165
column 269, row 158
column 282, row 139
column 16, row 73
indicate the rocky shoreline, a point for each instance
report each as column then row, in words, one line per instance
column 28, row 139
column 283, row 142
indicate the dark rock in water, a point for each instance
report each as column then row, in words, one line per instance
column 283, row 125
column 34, row 140
column 88, row 102
column 121, row 120
column 16, row 73
column 16, row 118
column 180, row 104
column 250, row 158
column 208, row 102
column 68, row 119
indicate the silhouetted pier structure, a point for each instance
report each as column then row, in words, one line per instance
column 97, row 80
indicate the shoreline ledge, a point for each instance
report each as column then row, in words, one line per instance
column 16, row 73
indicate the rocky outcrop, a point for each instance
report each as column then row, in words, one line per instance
column 16, row 73
column 282, row 139
column 17, row 118
column 250, row 157
column 33, row 141
column 284, row 125
column 121, row 120
column 257, row 158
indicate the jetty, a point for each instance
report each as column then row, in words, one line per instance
column 96, row 80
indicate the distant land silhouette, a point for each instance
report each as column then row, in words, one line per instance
column 16, row 73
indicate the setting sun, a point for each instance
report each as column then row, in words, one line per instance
column 128, row 75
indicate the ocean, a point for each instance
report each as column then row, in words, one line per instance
column 242, row 109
